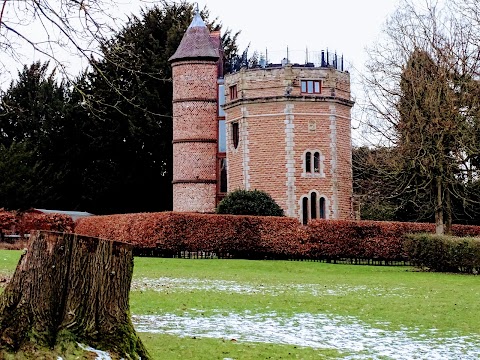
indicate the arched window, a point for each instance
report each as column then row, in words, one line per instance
column 223, row 175
column 313, row 162
column 316, row 162
column 308, row 162
column 313, row 206
column 235, row 134
column 322, row 208
column 304, row 210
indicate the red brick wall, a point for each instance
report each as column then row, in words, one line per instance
column 194, row 79
column 194, row 197
column 186, row 125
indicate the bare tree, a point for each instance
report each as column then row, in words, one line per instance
column 56, row 30
column 446, row 32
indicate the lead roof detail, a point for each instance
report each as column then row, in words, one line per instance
column 196, row 42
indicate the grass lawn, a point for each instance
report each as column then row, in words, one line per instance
column 398, row 295
column 393, row 300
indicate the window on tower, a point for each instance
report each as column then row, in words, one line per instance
column 304, row 210
column 222, row 168
column 316, row 162
column 322, row 208
column 221, row 99
column 235, row 134
column 314, row 206
column 311, row 86
column 233, row 92
column 308, row 162
column 313, row 163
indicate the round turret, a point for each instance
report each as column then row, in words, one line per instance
column 194, row 74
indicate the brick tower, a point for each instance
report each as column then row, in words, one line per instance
column 195, row 122
column 288, row 133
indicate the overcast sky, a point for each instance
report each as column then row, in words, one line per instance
column 345, row 26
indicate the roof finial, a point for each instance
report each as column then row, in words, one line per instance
column 197, row 18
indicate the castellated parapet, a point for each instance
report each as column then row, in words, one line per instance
column 289, row 134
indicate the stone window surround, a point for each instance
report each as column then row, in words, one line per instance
column 318, row 200
column 320, row 173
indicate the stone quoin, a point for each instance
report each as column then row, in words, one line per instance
column 284, row 129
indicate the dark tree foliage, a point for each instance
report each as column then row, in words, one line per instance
column 423, row 92
column 371, row 186
column 376, row 190
column 31, row 108
column 32, row 122
column 428, row 174
column 249, row 202
column 17, row 174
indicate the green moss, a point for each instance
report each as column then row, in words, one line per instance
column 67, row 351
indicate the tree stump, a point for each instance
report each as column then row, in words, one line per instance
column 67, row 290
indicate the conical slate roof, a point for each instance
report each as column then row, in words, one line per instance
column 196, row 42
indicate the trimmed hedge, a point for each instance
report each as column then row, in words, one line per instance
column 444, row 253
column 373, row 240
column 8, row 220
column 22, row 223
column 256, row 237
column 143, row 230
column 225, row 235
column 266, row 237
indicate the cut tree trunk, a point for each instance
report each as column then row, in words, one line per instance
column 69, row 288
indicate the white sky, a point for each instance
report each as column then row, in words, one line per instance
column 346, row 26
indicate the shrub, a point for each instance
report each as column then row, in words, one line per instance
column 143, row 230
column 29, row 221
column 360, row 240
column 443, row 253
column 23, row 222
column 8, row 220
column 249, row 202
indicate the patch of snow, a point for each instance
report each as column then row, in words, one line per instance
column 101, row 355
column 346, row 334
column 166, row 284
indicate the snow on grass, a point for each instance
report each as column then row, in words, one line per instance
column 345, row 334
column 166, row 284
column 101, row 355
